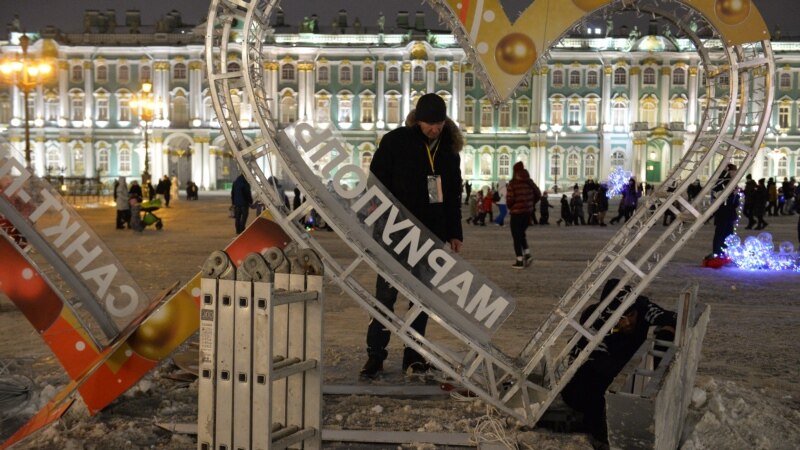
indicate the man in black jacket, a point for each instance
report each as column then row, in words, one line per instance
column 418, row 164
column 241, row 199
column 586, row 390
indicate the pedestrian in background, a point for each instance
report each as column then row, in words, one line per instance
column 521, row 196
column 241, row 199
column 121, row 197
column 501, row 203
column 544, row 210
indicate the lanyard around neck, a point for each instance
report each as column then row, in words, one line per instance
column 432, row 156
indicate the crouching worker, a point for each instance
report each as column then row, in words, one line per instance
column 586, row 391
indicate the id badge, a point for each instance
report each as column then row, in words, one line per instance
column 435, row 194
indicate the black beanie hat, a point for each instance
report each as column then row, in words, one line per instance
column 431, row 109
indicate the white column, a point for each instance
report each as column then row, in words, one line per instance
column 535, row 112
column 38, row 112
column 63, row 90
column 88, row 157
column 543, row 96
column 691, row 111
column 310, row 89
column 302, row 88
column 195, row 90
column 88, row 89
column 273, row 89
column 380, row 69
column 607, row 72
column 212, row 168
column 666, row 81
column 18, row 111
column 406, row 91
column 38, row 156
column 197, row 160
column 455, row 99
column 156, row 156
column 430, row 72
column 65, row 156
column 633, row 111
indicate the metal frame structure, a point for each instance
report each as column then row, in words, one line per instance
column 523, row 385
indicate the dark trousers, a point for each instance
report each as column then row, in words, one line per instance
column 240, row 217
column 123, row 218
column 586, row 393
column 167, row 196
column 519, row 223
column 378, row 336
column 721, row 231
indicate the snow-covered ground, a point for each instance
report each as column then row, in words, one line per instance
column 747, row 394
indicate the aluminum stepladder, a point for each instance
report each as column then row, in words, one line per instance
column 737, row 111
column 260, row 347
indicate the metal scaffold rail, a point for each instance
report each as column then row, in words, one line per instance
column 739, row 101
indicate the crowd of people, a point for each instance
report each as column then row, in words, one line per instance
column 132, row 199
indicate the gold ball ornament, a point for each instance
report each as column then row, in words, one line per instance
column 165, row 329
column 732, row 12
column 589, row 5
column 515, row 53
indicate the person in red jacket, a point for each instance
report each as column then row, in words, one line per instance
column 521, row 194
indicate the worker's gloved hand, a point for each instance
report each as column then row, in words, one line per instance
column 664, row 333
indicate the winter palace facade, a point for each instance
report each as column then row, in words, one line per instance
column 599, row 102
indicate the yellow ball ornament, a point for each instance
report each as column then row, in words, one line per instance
column 732, row 12
column 165, row 329
column 515, row 53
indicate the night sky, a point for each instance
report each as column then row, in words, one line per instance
column 68, row 14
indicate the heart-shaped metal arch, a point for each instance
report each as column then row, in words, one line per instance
column 635, row 254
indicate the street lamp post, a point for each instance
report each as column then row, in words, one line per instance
column 556, row 130
column 146, row 105
column 26, row 73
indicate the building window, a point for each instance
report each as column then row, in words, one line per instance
column 619, row 114
column 486, row 164
column 180, row 112
column 618, row 159
column 323, row 74
column 724, row 79
column 123, row 74
column 345, row 111
column 469, row 116
column 366, row 161
column 179, row 72
column 76, row 74
column 574, row 78
column 77, row 109
column 591, row 78
column 102, row 109
column 555, row 165
column 469, row 164
column 102, row 160
column 589, row 169
column 649, row 76
column 679, row 77
column 288, row 110
column 783, row 167
column 393, row 75
column 323, row 110
column 287, row 72
column 620, row 77
column 345, row 74
column 101, row 73
column 5, row 109
column 591, row 115
column 50, row 110
column 503, row 164
column 786, row 81
column 77, row 161
column 573, row 165
column 574, row 114
column 783, row 117
column 505, row 116
column 393, row 110
column 418, row 75
column 367, row 110
column 442, row 75
column 487, row 116
column 649, row 114
column 557, row 113
column 124, row 110
column 677, row 112
column 367, row 74
column 124, row 161
column 53, row 159
column 523, row 116
column 558, row 78
column 469, row 80
column 145, row 74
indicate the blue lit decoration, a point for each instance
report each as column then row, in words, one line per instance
column 617, row 180
column 758, row 252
